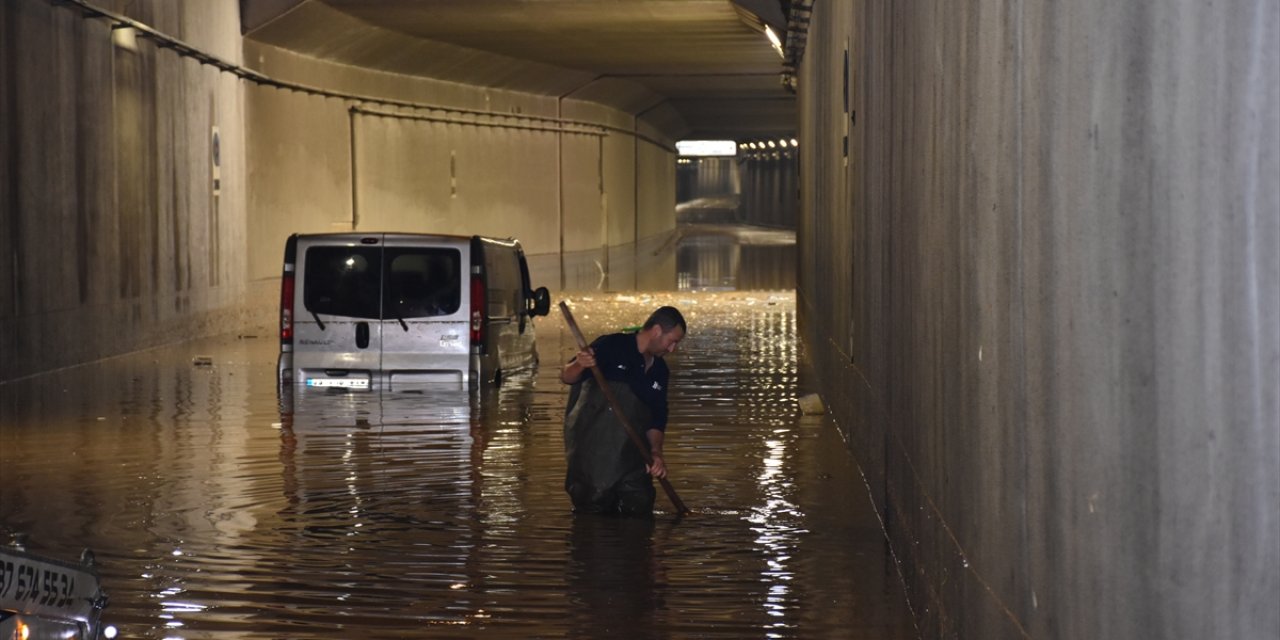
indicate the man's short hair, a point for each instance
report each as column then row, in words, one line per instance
column 668, row 318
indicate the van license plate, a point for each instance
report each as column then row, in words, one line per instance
column 354, row 383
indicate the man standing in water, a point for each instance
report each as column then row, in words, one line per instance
column 606, row 473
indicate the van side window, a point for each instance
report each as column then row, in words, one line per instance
column 343, row 281
column 423, row 282
column 503, row 275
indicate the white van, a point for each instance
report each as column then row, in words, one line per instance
column 362, row 309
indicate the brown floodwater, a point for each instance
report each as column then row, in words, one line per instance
column 219, row 509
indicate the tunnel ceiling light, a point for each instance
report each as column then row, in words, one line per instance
column 707, row 147
column 772, row 144
column 794, row 143
column 773, row 39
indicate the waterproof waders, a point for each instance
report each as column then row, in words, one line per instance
column 606, row 473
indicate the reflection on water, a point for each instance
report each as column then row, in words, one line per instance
column 735, row 258
column 218, row 509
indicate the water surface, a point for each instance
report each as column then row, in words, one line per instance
column 217, row 510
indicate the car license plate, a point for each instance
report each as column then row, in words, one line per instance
column 353, row 383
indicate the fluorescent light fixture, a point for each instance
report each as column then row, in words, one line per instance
column 773, row 39
column 707, row 147
column 125, row 37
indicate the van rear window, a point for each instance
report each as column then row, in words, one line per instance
column 343, row 281
column 423, row 282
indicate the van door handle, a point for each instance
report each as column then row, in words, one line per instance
column 362, row 335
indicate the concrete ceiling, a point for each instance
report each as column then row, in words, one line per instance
column 705, row 63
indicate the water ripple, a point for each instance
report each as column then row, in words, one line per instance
column 218, row 509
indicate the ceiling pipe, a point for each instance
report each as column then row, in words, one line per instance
column 182, row 49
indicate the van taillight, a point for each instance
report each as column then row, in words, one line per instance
column 286, row 307
column 477, row 312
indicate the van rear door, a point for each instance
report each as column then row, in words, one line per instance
column 426, row 310
column 337, row 330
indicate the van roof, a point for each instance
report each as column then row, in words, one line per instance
column 355, row 236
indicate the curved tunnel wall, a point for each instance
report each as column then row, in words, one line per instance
column 119, row 241
column 112, row 233
column 1040, row 292
column 570, row 196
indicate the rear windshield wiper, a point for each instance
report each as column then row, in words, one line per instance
column 403, row 324
column 318, row 320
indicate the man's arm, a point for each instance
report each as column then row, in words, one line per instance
column 659, row 467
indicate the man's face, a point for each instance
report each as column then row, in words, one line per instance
column 665, row 342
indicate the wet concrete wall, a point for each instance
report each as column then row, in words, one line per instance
column 569, row 196
column 756, row 187
column 117, row 240
column 618, row 206
column 1041, row 294
column 112, row 235
column 770, row 197
column 655, row 230
column 443, row 170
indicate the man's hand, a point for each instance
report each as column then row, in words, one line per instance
column 586, row 358
column 659, row 467
column 572, row 372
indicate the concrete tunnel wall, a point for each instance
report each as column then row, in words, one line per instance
column 569, row 197
column 111, row 234
column 118, row 242
column 1042, row 296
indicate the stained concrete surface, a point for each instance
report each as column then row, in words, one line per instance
column 1040, row 281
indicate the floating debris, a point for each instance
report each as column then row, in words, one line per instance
column 812, row 405
column 202, row 361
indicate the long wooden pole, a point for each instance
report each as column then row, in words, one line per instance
column 617, row 411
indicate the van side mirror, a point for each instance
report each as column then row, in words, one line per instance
column 541, row 303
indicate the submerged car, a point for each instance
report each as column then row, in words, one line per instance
column 46, row 598
column 360, row 309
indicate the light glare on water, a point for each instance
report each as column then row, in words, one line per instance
column 217, row 510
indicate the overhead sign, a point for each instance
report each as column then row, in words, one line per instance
column 707, row 147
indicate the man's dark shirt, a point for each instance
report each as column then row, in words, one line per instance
column 618, row 358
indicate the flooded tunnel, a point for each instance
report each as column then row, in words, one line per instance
column 983, row 325
column 218, row 508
